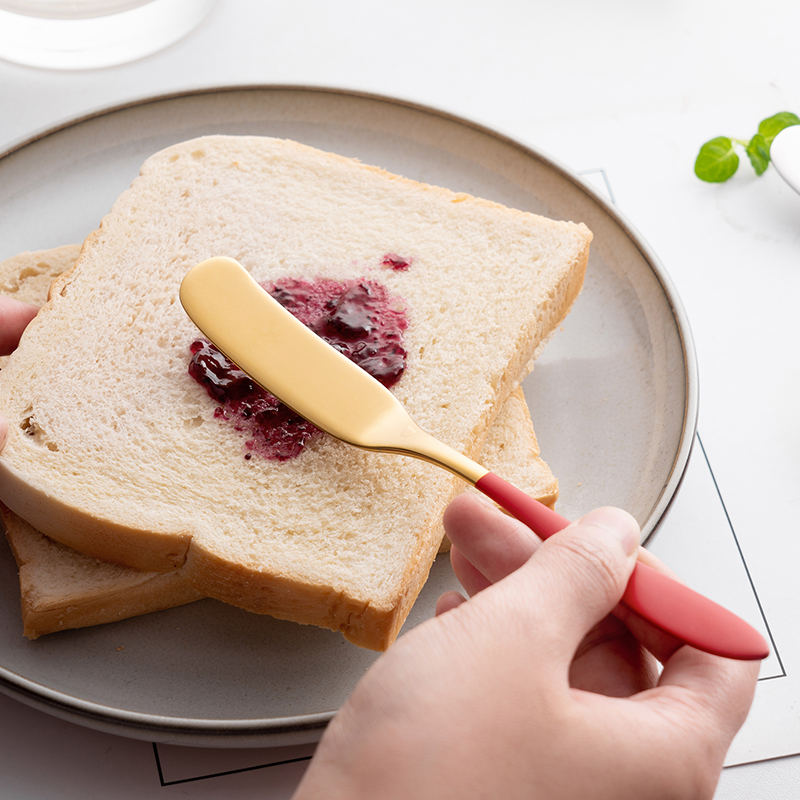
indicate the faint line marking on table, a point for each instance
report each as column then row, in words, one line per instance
column 773, row 645
column 591, row 176
column 223, row 773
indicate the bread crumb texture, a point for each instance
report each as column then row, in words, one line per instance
column 115, row 451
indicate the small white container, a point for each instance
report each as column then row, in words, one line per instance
column 85, row 34
column 785, row 154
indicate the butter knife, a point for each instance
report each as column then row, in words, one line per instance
column 316, row 381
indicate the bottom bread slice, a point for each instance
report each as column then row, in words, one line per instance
column 61, row 588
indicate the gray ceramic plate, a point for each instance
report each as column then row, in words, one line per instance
column 613, row 397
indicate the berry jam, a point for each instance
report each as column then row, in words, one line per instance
column 358, row 318
column 396, row 262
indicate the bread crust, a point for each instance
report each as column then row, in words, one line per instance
column 102, row 491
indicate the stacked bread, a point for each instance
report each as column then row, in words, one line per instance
column 114, row 451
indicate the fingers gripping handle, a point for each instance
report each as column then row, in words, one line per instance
column 543, row 521
column 670, row 606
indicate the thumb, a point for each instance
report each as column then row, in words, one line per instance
column 580, row 574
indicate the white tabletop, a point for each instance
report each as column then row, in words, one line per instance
column 621, row 90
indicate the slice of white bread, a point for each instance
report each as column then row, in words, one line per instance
column 61, row 588
column 115, row 451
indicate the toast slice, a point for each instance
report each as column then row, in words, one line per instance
column 116, row 451
column 29, row 275
column 61, row 588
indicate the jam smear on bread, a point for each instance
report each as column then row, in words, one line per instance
column 359, row 318
column 396, row 262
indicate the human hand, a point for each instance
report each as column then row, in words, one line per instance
column 14, row 318
column 532, row 688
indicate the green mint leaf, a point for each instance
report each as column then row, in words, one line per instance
column 758, row 152
column 716, row 161
column 770, row 127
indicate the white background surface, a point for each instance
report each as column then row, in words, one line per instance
column 629, row 87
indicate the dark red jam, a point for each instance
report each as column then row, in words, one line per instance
column 394, row 261
column 358, row 318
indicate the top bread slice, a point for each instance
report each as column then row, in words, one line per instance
column 61, row 589
column 115, row 451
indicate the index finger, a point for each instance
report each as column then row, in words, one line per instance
column 14, row 318
column 493, row 543
column 489, row 545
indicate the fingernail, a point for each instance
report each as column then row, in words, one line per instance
column 617, row 522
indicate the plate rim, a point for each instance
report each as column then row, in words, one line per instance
column 251, row 732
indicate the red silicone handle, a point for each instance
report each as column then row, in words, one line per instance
column 674, row 608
